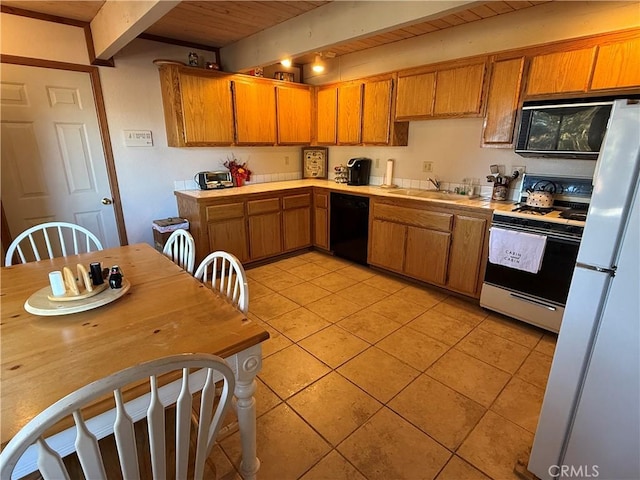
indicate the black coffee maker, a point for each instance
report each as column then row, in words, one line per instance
column 358, row 170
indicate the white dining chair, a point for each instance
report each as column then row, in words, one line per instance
column 226, row 275
column 181, row 249
column 59, row 239
column 195, row 372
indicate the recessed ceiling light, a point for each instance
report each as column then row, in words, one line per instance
column 286, row 62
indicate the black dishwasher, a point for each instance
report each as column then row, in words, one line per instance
column 349, row 226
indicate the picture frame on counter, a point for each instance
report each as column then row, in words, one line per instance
column 315, row 162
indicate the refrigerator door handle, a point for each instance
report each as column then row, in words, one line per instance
column 609, row 271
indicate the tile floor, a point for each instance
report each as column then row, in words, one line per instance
column 369, row 376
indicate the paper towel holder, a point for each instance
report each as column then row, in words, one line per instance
column 389, row 175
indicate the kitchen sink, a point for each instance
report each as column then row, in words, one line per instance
column 429, row 194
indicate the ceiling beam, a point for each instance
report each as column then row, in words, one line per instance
column 332, row 24
column 119, row 22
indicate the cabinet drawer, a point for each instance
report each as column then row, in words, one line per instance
column 296, row 201
column 414, row 216
column 223, row 212
column 321, row 200
column 255, row 207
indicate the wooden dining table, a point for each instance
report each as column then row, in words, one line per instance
column 165, row 312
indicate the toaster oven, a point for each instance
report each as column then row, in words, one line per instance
column 213, row 180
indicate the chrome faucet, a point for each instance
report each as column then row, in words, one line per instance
column 435, row 183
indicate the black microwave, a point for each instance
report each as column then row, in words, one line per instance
column 563, row 130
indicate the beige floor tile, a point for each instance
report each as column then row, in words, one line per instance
column 333, row 345
column 309, row 271
column 520, row 402
column 494, row 350
column 369, row 326
column 263, row 272
column 425, row 296
column 287, row 446
column 299, row 323
column 334, row 407
column 357, row 272
column 511, row 329
column 362, row 294
column 271, row 306
column 332, row 263
column 441, row 327
column 387, row 447
column 291, row 262
column 334, row 282
column 397, row 308
column 333, row 467
column 458, row 469
column 224, row 468
column 413, row 348
column 386, row 283
column 257, row 290
column 283, row 281
column 462, row 310
column 535, row 369
column 333, row 308
column 437, row 410
column 378, row 373
column 547, row 344
column 305, row 293
column 313, row 256
column 277, row 341
column 290, row 370
column 469, row 376
column 495, row 445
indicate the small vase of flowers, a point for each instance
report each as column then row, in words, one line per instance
column 239, row 171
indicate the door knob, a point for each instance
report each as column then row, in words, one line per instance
column 107, row 201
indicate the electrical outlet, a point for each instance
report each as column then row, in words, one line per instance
column 286, row 160
column 519, row 169
column 427, row 167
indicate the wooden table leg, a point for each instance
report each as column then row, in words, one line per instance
column 247, row 364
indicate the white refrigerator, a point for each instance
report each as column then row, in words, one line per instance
column 589, row 425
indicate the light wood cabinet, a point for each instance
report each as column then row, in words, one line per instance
column 350, row 113
column 617, row 65
column 561, row 72
column 229, row 236
column 444, row 90
column 502, row 102
column 198, row 109
column 427, row 254
column 415, row 95
column 321, row 219
column 387, row 244
column 459, row 90
column 265, row 230
column 255, row 112
column 376, row 112
column 293, row 115
column 326, row 115
column 467, row 253
column 296, row 221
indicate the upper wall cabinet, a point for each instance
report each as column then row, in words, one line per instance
column 198, row 108
column 359, row 112
column 255, row 112
column 293, row 114
column 617, row 65
column 446, row 90
column 561, row 72
column 502, row 102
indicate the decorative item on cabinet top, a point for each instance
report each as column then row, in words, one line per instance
column 315, row 161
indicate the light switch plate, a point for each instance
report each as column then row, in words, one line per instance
column 138, row 138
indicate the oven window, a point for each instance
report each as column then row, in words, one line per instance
column 551, row 283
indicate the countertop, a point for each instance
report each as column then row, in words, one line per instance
column 369, row 190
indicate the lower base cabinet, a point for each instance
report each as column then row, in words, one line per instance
column 229, row 236
column 467, row 253
column 427, row 254
column 321, row 219
column 265, row 235
column 387, row 244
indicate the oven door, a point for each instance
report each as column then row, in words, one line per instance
column 536, row 298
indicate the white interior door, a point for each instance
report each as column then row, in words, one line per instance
column 53, row 163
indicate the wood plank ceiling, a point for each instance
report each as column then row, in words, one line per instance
column 220, row 23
